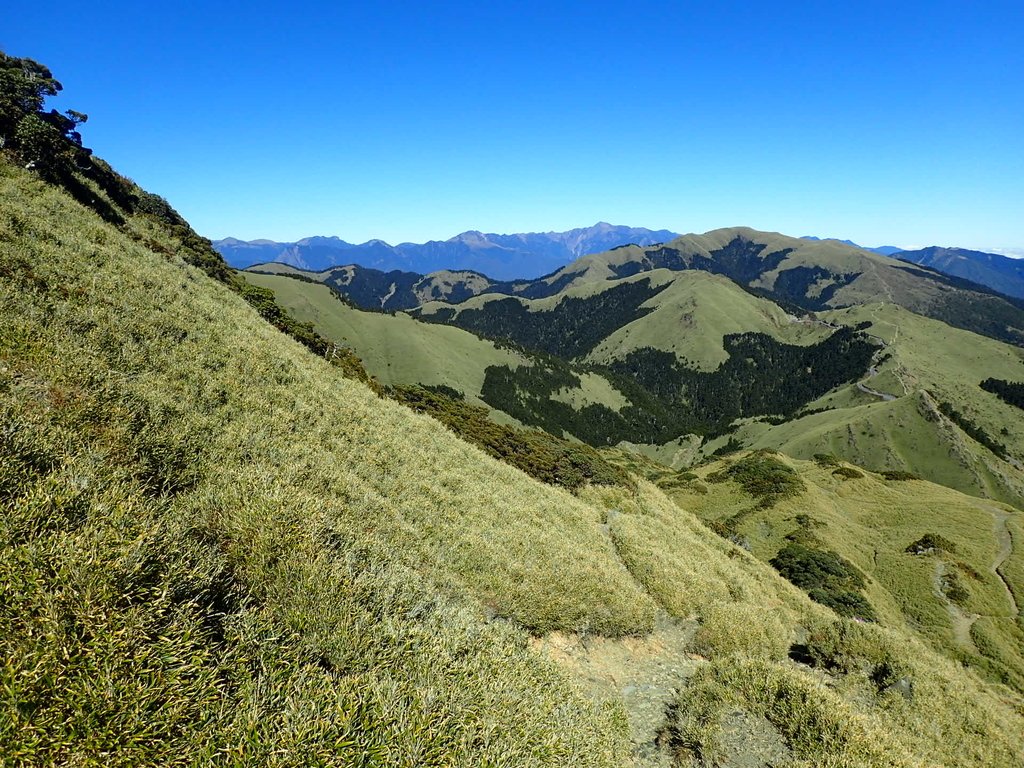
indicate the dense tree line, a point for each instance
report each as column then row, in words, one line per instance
column 761, row 377
column 1011, row 392
column 572, row 328
column 667, row 398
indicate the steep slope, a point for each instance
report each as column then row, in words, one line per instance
column 504, row 257
column 277, row 544
column 1000, row 273
column 922, row 409
column 933, row 558
column 219, row 549
column 396, row 349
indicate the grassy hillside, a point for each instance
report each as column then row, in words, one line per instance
column 958, row 594
column 925, row 365
column 812, row 276
column 215, row 544
column 396, row 349
column 948, row 362
column 692, row 317
column 218, row 549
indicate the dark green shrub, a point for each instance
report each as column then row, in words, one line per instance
column 899, row 474
column 847, row 473
column 827, row 578
column 931, row 542
column 826, row 460
column 764, row 477
column 953, row 588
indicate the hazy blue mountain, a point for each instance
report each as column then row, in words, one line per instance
column 504, row 257
column 1002, row 273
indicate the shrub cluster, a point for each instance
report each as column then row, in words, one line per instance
column 847, row 473
column 763, row 476
column 827, row 578
column 545, row 457
column 931, row 542
column 826, row 460
column 898, row 474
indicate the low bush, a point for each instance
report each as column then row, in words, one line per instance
column 763, row 476
column 826, row 460
column 848, row 473
column 827, row 578
column 931, row 542
column 898, row 474
column 547, row 458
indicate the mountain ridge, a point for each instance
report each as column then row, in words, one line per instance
column 502, row 256
column 1002, row 273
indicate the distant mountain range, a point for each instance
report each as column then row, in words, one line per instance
column 521, row 257
column 1002, row 273
column 504, row 257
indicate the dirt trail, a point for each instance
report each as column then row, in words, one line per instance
column 872, row 372
column 1002, row 530
column 961, row 620
column 644, row 673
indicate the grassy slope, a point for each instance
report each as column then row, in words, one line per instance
column 689, row 318
column 168, row 454
column 948, row 362
column 692, row 316
column 929, row 362
column 218, row 550
column 870, row 522
column 397, row 349
column 394, row 348
column 883, row 277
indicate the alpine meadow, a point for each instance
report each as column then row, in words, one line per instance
column 732, row 498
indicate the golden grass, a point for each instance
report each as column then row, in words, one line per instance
column 214, row 549
column 218, row 549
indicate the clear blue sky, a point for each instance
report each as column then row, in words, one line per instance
column 884, row 122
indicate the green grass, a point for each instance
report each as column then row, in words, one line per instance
column 394, row 348
column 217, row 549
column 878, row 526
column 908, row 434
column 398, row 350
column 692, row 317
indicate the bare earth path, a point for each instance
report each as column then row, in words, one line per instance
column 643, row 672
column 1000, row 518
column 962, row 621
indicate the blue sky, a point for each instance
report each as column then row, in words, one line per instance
column 897, row 123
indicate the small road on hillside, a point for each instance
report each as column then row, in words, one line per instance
column 872, row 372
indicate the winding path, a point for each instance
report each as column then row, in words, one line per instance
column 962, row 621
column 1002, row 529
